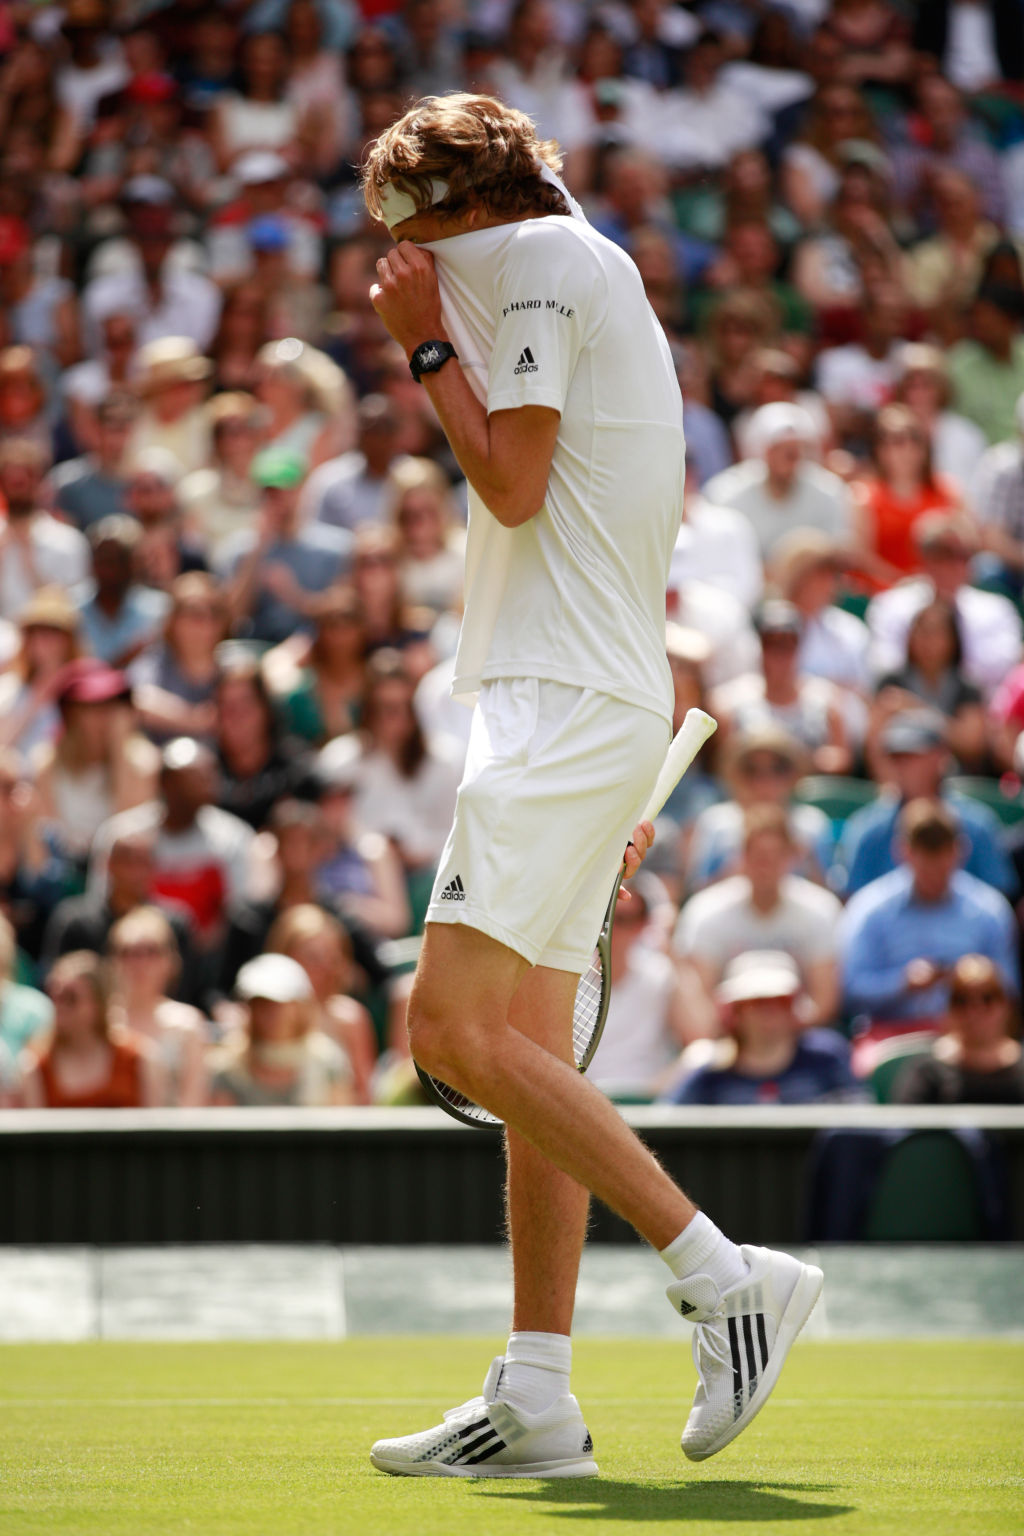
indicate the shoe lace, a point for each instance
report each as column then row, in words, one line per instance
column 710, row 1347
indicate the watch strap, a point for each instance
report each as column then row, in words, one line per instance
column 429, row 356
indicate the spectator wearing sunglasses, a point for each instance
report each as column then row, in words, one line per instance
column 978, row 1060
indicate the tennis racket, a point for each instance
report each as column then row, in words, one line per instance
column 594, row 990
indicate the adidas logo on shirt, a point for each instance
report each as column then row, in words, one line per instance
column 454, row 890
column 526, row 363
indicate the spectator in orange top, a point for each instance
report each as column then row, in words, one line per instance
column 903, row 487
column 87, row 1064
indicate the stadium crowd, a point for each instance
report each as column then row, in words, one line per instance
column 232, row 540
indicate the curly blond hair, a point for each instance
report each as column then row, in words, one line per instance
column 488, row 154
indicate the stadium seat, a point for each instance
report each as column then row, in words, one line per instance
column 892, row 1056
column 928, row 1191
column 837, row 796
column 1009, row 808
column 905, row 1186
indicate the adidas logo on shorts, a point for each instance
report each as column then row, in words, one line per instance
column 526, row 363
column 454, row 890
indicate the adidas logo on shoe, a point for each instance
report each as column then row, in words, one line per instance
column 454, row 890
column 526, row 363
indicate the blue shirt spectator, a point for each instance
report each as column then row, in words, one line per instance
column 901, row 935
column 914, row 758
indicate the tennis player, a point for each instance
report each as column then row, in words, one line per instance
column 552, row 379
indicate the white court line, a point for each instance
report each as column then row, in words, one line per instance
column 421, row 1402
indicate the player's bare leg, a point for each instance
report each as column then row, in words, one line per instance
column 547, row 1210
column 460, row 1032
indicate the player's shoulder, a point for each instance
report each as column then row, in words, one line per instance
column 557, row 243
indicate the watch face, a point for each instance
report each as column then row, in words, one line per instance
column 430, row 354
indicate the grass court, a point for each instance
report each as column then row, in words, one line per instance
column 919, row 1438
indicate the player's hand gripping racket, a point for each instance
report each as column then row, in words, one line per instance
column 592, row 994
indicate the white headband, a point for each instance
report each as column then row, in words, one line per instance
column 397, row 206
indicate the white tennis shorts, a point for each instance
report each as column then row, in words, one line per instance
column 555, row 779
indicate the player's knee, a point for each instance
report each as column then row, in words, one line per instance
column 439, row 1038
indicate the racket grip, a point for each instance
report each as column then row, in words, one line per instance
column 685, row 745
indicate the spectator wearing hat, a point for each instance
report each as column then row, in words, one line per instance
column 278, row 1056
column 990, row 627
column 166, row 298
column 808, row 708
column 768, row 1055
column 92, row 487
column 764, row 906
column 758, row 768
column 777, row 382
column 41, row 311
column 99, row 764
column 782, row 488
column 978, row 1059
column 264, row 179
column 171, row 381
column 119, row 617
column 901, row 935
column 222, row 499
column 272, row 571
column 987, row 369
column 49, row 629
column 957, row 445
column 35, row 549
column 913, row 757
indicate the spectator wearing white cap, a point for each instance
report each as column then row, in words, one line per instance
column 264, row 179
column 783, row 488
column 278, row 1057
column 768, row 1055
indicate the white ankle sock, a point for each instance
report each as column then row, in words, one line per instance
column 700, row 1249
column 536, row 1370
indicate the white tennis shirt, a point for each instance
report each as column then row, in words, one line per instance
column 548, row 312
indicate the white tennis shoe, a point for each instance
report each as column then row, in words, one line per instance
column 740, row 1341
column 487, row 1438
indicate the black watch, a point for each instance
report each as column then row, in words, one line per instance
column 429, row 357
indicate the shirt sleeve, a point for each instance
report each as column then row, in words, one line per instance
column 545, row 297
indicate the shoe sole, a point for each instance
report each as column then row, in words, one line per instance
column 798, row 1310
column 583, row 1467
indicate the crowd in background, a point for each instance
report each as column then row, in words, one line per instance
column 232, row 541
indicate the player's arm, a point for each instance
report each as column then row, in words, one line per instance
column 506, row 456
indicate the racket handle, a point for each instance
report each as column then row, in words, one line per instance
column 685, row 745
